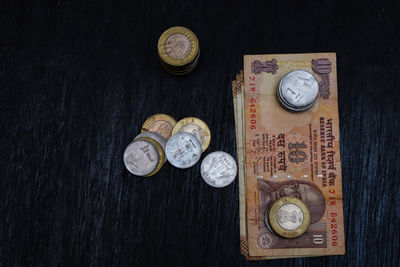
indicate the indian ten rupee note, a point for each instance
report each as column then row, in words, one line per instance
column 290, row 154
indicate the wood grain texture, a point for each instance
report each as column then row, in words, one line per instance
column 78, row 79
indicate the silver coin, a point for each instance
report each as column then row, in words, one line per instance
column 141, row 157
column 298, row 90
column 183, row 150
column 155, row 136
column 290, row 216
column 290, row 107
column 218, row 169
column 195, row 130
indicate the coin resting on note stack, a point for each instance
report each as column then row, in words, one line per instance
column 181, row 143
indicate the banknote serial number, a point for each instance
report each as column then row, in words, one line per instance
column 333, row 228
column 253, row 101
column 253, row 116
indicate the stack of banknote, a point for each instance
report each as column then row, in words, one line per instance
column 287, row 133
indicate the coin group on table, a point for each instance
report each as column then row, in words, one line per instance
column 178, row 50
column 181, row 143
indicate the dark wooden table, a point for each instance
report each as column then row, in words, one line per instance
column 78, row 79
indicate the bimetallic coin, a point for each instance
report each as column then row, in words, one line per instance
column 161, row 124
column 298, row 90
column 141, row 157
column 160, row 152
column 183, row 150
column 196, row 127
column 178, row 46
column 289, row 217
column 218, row 169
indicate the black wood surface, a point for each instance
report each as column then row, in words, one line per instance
column 78, row 79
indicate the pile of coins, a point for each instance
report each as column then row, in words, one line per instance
column 181, row 143
column 298, row 90
column 178, row 50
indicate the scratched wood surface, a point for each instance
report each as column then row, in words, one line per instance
column 78, row 78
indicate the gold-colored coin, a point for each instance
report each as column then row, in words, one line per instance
column 289, row 217
column 161, row 124
column 196, row 127
column 161, row 154
column 178, row 46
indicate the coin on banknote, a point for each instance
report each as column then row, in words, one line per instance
column 298, row 90
column 161, row 124
column 289, row 217
column 142, row 157
column 183, row 150
column 155, row 136
column 218, row 169
column 196, row 127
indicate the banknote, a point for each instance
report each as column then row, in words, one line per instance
column 282, row 153
column 238, row 104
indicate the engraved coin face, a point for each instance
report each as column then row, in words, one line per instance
column 290, row 216
column 155, row 136
column 177, row 46
column 161, row 127
column 298, row 90
column 141, row 157
column 161, row 124
column 196, row 127
column 195, row 130
column 178, row 49
column 183, row 150
column 218, row 169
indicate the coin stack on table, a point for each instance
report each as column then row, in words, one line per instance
column 181, row 143
column 178, row 50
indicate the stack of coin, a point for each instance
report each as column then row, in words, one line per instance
column 178, row 50
column 298, row 90
column 288, row 217
column 145, row 155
